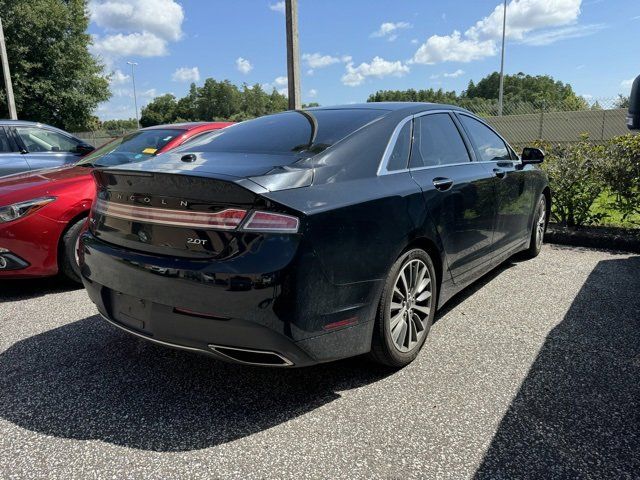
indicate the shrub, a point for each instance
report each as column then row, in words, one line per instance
column 621, row 173
column 575, row 177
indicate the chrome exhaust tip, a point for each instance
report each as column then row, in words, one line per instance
column 263, row 358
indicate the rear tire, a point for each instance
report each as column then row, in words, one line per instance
column 538, row 229
column 68, row 260
column 406, row 310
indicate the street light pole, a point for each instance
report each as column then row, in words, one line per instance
column 504, row 28
column 293, row 54
column 135, row 97
column 13, row 114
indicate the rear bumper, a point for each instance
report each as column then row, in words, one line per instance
column 202, row 306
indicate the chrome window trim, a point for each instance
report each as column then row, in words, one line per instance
column 382, row 167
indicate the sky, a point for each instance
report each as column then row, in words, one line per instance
column 352, row 48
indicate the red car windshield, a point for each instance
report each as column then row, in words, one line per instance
column 135, row 147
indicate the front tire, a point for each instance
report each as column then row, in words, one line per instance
column 538, row 229
column 69, row 257
column 406, row 310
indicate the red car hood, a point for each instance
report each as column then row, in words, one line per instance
column 24, row 186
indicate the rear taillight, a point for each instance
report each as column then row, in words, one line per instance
column 271, row 222
column 227, row 219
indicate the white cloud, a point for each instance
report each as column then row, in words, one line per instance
column 313, row 93
column 121, row 45
column 118, row 78
column 523, row 17
column 186, row 74
column 626, row 84
column 162, row 18
column 379, row 67
column 279, row 83
column 453, row 48
column 390, row 30
column 135, row 27
column 547, row 37
column 415, row 41
column 317, row 60
column 455, row 74
column 277, row 7
column 151, row 93
column 243, row 65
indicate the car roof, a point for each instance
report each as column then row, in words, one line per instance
column 409, row 107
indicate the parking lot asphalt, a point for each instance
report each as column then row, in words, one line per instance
column 532, row 372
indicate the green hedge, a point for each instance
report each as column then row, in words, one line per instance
column 595, row 183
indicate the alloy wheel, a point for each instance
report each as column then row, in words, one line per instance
column 410, row 305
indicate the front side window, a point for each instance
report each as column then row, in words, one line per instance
column 490, row 147
column 302, row 133
column 437, row 141
column 40, row 140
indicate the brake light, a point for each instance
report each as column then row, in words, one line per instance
column 271, row 222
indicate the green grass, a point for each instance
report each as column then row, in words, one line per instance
column 613, row 217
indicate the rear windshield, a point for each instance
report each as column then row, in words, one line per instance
column 131, row 148
column 302, row 132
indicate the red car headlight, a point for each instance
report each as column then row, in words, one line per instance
column 21, row 209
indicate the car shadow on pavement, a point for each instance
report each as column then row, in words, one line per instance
column 88, row 380
column 577, row 413
column 24, row 289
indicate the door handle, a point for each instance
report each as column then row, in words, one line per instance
column 499, row 172
column 442, row 183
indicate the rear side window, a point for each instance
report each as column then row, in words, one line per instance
column 5, row 144
column 400, row 155
column 298, row 132
column 490, row 147
column 437, row 141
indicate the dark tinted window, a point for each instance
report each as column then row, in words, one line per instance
column 488, row 145
column 437, row 141
column 289, row 132
column 399, row 158
column 5, row 145
column 135, row 147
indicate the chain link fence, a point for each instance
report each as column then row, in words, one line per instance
column 522, row 123
column 601, row 121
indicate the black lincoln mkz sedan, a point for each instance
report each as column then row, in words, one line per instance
column 313, row 235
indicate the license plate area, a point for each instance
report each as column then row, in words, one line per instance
column 132, row 312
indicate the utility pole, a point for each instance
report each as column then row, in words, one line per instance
column 7, row 76
column 135, row 97
column 504, row 29
column 293, row 54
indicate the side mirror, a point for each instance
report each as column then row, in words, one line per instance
column 633, row 117
column 84, row 148
column 532, row 155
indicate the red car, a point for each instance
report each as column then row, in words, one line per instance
column 43, row 212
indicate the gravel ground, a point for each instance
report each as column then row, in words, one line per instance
column 533, row 372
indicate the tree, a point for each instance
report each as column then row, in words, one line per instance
column 540, row 90
column 622, row 102
column 120, row 125
column 213, row 101
column 162, row 109
column 523, row 94
column 55, row 78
